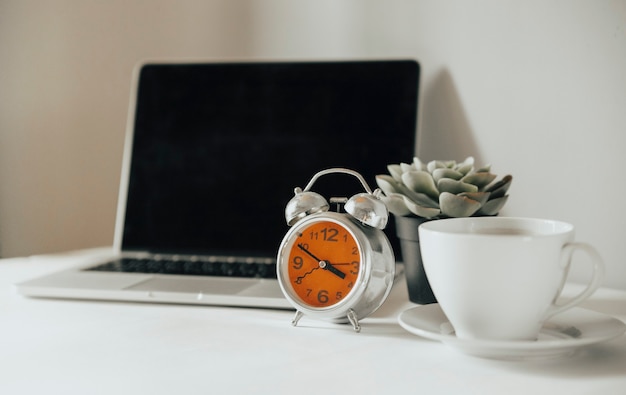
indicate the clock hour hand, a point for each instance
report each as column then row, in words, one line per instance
column 322, row 263
column 327, row 266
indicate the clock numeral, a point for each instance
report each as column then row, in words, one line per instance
column 355, row 251
column 330, row 234
column 355, row 268
column 297, row 262
column 322, row 296
column 351, row 284
column 308, row 291
column 338, row 295
column 326, row 234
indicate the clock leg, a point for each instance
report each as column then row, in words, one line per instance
column 297, row 317
column 354, row 320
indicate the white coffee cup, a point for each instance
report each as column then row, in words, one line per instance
column 498, row 278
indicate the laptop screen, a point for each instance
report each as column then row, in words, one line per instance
column 218, row 148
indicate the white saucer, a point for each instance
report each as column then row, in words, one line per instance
column 561, row 335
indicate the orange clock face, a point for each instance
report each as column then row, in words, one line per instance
column 324, row 263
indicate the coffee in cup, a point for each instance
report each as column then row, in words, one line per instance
column 499, row 278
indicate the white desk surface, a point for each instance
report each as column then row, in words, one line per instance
column 84, row 347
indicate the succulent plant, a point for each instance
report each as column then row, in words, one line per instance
column 442, row 189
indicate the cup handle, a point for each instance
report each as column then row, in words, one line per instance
column 596, row 279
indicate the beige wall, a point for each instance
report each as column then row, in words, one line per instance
column 65, row 69
column 536, row 88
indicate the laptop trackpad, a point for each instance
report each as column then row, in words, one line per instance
column 225, row 286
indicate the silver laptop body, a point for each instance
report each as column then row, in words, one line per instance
column 212, row 154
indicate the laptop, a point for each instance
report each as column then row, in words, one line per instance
column 212, row 155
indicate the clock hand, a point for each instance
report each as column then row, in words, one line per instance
column 323, row 264
column 300, row 278
column 303, row 248
column 333, row 269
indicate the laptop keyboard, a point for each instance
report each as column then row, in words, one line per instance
column 227, row 267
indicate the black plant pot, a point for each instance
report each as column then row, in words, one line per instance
column 416, row 280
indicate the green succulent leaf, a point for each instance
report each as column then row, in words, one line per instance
column 469, row 161
column 457, row 205
column 493, row 207
column 406, row 167
column 421, row 211
column 500, row 188
column 438, row 174
column 387, row 183
column 395, row 204
column 435, row 164
column 480, row 197
column 419, row 198
column 417, row 163
column 455, row 186
column 395, row 171
column 421, row 181
column 480, row 179
column 465, row 168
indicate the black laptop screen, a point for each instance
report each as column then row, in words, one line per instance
column 218, row 148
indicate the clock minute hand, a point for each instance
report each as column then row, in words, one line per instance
column 303, row 248
column 323, row 264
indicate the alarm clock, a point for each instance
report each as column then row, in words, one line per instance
column 336, row 266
